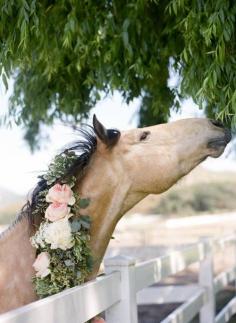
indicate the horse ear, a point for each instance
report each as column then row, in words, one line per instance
column 108, row 136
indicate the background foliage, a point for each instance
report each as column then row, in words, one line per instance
column 64, row 54
column 198, row 198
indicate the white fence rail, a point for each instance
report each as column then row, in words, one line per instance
column 125, row 285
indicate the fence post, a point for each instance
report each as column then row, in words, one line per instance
column 124, row 311
column 206, row 280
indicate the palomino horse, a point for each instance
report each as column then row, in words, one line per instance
column 115, row 170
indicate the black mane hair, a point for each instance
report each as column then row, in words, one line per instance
column 84, row 148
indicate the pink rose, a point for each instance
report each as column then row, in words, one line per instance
column 98, row 320
column 57, row 211
column 61, row 194
column 41, row 265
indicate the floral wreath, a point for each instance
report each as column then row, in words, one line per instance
column 62, row 239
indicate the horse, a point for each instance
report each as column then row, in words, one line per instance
column 115, row 170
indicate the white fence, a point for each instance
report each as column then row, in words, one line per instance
column 125, row 285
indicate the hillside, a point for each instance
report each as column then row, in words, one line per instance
column 7, row 197
column 10, row 204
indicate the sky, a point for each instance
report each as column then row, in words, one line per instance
column 19, row 168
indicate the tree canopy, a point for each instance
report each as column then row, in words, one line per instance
column 65, row 54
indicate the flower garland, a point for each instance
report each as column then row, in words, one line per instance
column 63, row 255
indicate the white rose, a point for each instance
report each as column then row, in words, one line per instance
column 58, row 234
column 41, row 265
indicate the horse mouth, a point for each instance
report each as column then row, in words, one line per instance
column 220, row 142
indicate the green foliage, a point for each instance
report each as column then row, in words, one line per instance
column 56, row 171
column 83, row 222
column 64, row 54
column 59, row 167
column 210, row 197
column 70, row 267
column 83, row 203
column 207, row 63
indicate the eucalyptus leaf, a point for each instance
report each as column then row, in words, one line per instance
column 85, row 224
column 85, row 218
column 75, row 225
column 83, row 203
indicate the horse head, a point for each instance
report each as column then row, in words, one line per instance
column 154, row 158
column 129, row 165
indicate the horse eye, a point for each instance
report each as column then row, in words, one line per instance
column 144, row 135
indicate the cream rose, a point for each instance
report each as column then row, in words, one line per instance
column 58, row 235
column 41, row 265
column 57, row 211
column 61, row 194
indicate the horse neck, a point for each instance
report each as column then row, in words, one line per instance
column 16, row 272
column 110, row 198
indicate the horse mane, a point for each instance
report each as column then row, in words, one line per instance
column 84, row 148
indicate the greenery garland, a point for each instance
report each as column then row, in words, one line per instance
column 62, row 239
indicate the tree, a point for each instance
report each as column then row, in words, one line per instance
column 64, row 54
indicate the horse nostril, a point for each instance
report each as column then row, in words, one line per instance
column 217, row 123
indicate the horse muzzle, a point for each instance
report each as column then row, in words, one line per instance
column 221, row 141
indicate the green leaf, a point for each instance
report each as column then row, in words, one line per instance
column 174, row 5
column 85, row 224
column 69, row 263
column 75, row 225
column 90, row 262
column 126, row 24
column 83, row 203
column 234, row 100
column 125, row 37
column 85, row 218
column 214, row 77
column 4, row 78
column 85, row 221
column 185, row 55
